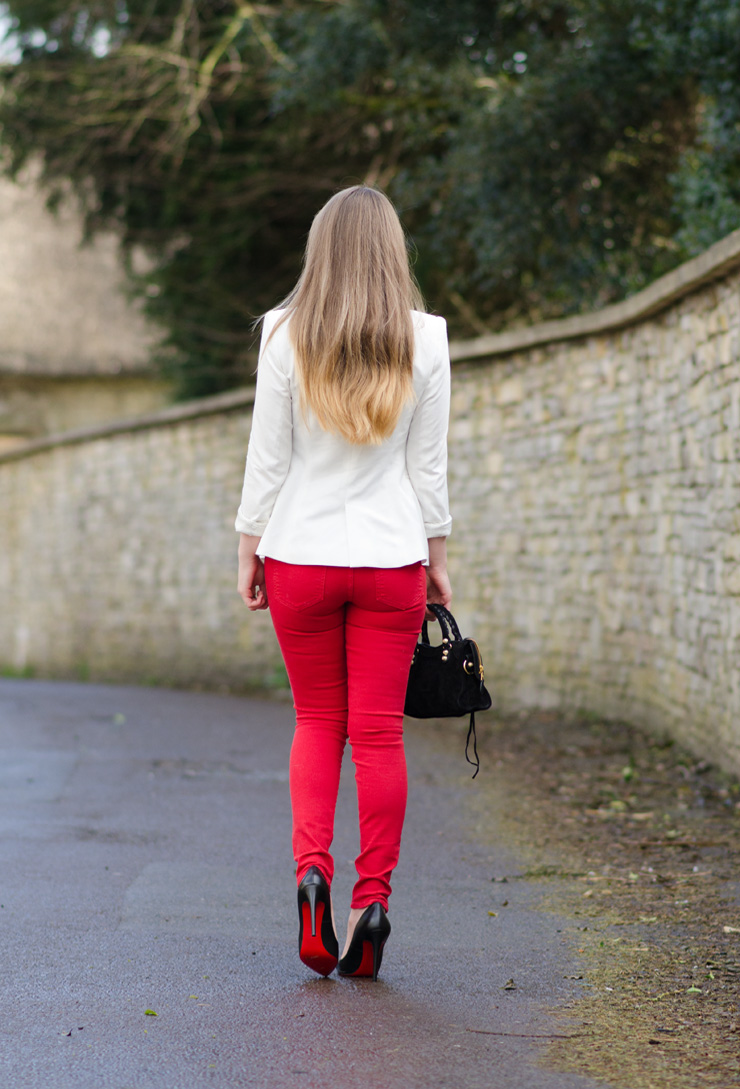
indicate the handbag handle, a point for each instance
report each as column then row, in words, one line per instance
column 447, row 624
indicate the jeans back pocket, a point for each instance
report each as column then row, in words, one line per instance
column 298, row 586
column 401, row 587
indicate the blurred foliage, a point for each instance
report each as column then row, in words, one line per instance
column 546, row 156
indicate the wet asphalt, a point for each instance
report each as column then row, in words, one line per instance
column 146, row 865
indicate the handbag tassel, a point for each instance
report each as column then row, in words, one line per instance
column 471, row 730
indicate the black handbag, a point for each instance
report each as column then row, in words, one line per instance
column 446, row 681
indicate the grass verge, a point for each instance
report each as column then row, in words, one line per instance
column 649, row 839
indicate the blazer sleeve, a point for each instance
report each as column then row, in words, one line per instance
column 426, row 447
column 270, row 441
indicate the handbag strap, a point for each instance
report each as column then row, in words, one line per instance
column 447, row 623
column 425, row 633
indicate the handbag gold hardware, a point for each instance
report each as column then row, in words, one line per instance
column 466, row 663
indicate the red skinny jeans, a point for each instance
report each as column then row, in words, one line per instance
column 347, row 636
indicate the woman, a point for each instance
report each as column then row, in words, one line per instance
column 344, row 506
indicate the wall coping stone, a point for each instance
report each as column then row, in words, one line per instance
column 714, row 263
column 17, row 365
column 231, row 401
column 92, row 378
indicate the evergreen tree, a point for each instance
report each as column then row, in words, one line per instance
column 546, row 156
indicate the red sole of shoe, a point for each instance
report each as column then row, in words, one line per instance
column 312, row 952
column 366, row 964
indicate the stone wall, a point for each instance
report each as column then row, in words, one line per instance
column 118, row 555
column 595, row 487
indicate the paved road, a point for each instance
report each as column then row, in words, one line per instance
column 146, row 865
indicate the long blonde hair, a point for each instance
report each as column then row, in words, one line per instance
column 350, row 317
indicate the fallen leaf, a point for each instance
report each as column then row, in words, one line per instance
column 150, row 1013
column 493, row 914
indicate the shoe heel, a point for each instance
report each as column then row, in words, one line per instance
column 378, row 941
column 311, row 892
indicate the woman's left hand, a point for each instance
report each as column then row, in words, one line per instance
column 251, row 580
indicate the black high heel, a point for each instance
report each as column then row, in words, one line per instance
column 366, row 948
column 317, row 943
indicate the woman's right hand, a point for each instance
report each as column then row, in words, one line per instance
column 439, row 590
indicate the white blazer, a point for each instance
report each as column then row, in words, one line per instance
column 314, row 498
